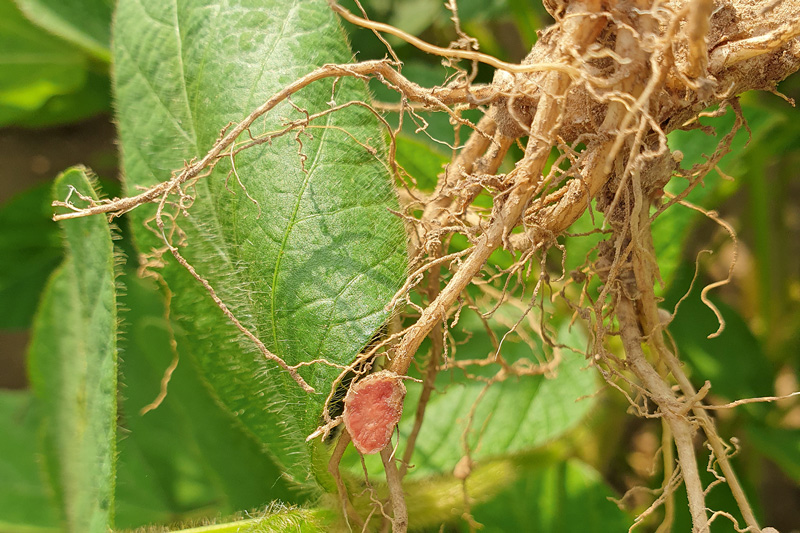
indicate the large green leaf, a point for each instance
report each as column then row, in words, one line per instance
column 73, row 368
column 86, row 23
column 514, row 415
column 24, row 500
column 196, row 458
column 311, row 267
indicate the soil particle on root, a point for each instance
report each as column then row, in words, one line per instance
column 372, row 409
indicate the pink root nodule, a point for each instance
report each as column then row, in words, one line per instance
column 372, row 408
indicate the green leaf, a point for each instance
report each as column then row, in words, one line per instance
column 514, row 415
column 24, row 500
column 544, row 498
column 73, row 368
column 30, row 248
column 197, row 457
column 311, row 267
column 34, row 66
column 139, row 498
column 85, row 23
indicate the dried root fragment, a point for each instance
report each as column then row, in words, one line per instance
column 372, row 408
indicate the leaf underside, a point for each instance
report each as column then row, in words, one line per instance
column 73, row 369
column 311, row 266
column 187, row 457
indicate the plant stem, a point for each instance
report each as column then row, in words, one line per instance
column 671, row 410
column 651, row 325
column 348, row 511
column 396, row 495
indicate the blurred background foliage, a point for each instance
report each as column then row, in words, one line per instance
column 189, row 459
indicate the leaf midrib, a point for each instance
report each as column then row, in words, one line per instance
column 179, row 37
column 289, row 227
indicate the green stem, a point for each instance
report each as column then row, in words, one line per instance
column 292, row 519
